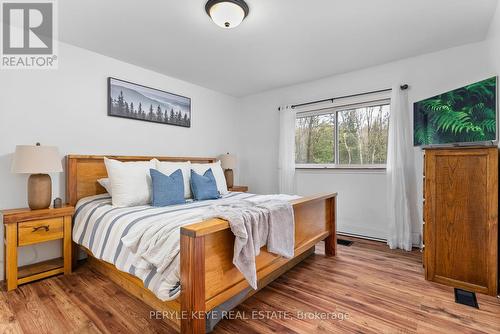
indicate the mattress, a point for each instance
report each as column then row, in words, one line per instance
column 100, row 227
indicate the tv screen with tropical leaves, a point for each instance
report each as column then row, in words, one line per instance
column 463, row 115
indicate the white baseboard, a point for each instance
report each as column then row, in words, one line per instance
column 416, row 240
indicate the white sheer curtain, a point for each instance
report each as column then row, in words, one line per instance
column 286, row 159
column 402, row 185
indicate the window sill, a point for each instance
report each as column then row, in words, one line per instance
column 322, row 170
column 341, row 167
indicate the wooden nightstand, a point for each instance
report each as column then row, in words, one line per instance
column 24, row 227
column 242, row 189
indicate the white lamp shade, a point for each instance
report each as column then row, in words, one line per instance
column 227, row 14
column 228, row 161
column 36, row 160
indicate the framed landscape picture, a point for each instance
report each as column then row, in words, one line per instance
column 129, row 100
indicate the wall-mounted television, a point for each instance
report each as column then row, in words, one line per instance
column 462, row 116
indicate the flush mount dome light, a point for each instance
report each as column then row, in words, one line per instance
column 227, row 13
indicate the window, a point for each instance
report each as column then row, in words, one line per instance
column 353, row 135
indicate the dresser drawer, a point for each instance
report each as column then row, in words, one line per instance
column 36, row 231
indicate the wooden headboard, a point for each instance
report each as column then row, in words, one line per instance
column 83, row 171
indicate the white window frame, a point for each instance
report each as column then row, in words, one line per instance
column 335, row 107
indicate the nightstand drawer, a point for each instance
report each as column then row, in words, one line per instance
column 36, row 231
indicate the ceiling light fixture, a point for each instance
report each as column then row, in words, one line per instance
column 227, row 13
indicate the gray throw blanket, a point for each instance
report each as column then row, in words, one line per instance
column 256, row 224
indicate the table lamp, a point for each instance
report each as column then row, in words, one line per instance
column 228, row 163
column 38, row 161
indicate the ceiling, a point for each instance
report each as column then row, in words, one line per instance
column 280, row 43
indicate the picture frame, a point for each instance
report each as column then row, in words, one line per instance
column 134, row 101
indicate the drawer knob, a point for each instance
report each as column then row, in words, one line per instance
column 45, row 227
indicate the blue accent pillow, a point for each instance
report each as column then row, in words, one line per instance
column 204, row 186
column 167, row 190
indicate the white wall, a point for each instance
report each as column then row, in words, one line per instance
column 494, row 40
column 67, row 108
column 362, row 194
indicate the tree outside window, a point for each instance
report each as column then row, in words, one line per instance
column 349, row 136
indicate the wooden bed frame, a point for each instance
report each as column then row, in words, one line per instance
column 208, row 276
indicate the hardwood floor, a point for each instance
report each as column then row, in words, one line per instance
column 381, row 291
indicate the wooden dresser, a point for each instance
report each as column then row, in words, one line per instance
column 461, row 217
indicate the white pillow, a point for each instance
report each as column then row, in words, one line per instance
column 130, row 182
column 168, row 167
column 220, row 179
column 106, row 184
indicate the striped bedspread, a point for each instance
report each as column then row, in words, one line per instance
column 101, row 228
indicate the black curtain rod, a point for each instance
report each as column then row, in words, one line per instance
column 403, row 87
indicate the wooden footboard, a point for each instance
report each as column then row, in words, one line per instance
column 208, row 276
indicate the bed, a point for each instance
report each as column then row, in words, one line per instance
column 208, row 279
